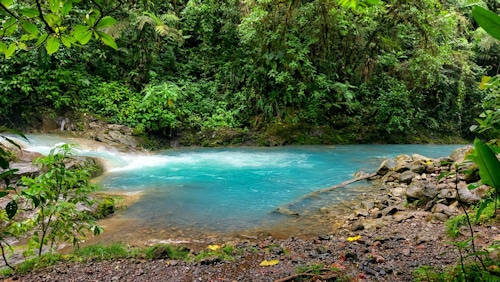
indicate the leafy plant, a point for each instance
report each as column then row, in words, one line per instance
column 56, row 194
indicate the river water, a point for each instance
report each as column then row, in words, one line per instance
column 223, row 190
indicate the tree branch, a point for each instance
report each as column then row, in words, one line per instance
column 9, row 11
column 42, row 18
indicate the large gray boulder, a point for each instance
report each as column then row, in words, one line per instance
column 421, row 191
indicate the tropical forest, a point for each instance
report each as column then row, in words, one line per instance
column 344, row 140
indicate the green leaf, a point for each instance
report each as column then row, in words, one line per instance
column 54, row 5
column 10, row 51
column 41, row 39
column 82, row 34
column 482, row 206
column 489, row 166
column 52, row 45
column 11, row 209
column 30, row 28
column 107, row 39
column 10, row 26
column 29, row 12
column 7, row 3
column 107, row 21
column 488, row 20
column 66, row 8
column 3, row 47
column 68, row 40
column 3, row 194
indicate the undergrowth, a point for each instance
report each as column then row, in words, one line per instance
column 98, row 253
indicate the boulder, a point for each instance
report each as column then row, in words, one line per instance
column 407, row 176
column 467, row 196
column 418, row 167
column 419, row 158
column 402, row 166
column 421, row 191
column 458, row 155
column 447, row 194
column 386, row 166
column 444, row 209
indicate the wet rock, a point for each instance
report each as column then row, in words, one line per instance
column 286, row 211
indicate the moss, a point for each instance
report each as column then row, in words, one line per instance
column 106, row 206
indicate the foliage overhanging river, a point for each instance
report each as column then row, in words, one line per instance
column 225, row 190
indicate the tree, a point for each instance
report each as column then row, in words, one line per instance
column 30, row 24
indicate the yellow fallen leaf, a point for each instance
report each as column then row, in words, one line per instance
column 493, row 268
column 214, row 247
column 269, row 262
column 351, row 239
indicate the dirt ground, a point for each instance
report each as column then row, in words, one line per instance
column 387, row 252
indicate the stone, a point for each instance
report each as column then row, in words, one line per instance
column 403, row 158
column 398, row 191
column 458, row 155
column 369, row 204
column 444, row 209
column 361, row 213
column 402, row 166
column 440, row 217
column 407, row 176
column 357, row 226
column 418, row 167
column 421, row 191
column 389, row 210
column 447, row 194
column 467, row 196
column 430, row 168
column 419, row 158
column 386, row 166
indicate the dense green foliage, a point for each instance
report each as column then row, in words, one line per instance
column 368, row 69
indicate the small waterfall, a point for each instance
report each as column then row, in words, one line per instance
column 62, row 122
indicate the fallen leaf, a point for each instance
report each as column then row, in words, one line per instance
column 494, row 268
column 351, row 239
column 214, row 247
column 338, row 266
column 269, row 262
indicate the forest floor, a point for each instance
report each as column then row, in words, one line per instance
column 389, row 252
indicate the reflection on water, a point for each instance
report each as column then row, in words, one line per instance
column 187, row 192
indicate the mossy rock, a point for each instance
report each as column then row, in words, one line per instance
column 107, row 205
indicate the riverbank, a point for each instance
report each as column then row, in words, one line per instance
column 391, row 250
